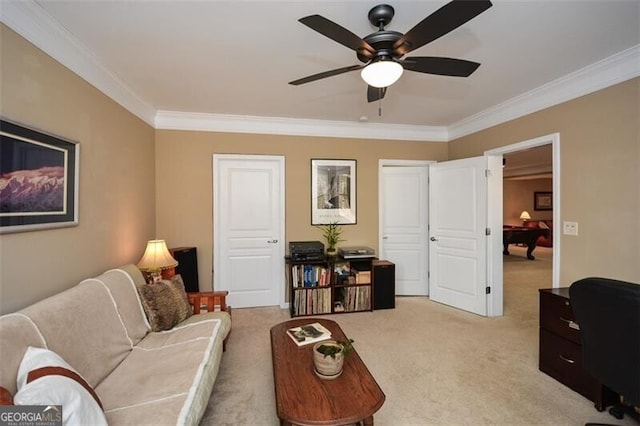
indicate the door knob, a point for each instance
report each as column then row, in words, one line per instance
column 272, row 241
column 433, row 239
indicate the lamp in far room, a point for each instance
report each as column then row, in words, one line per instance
column 156, row 258
column 524, row 217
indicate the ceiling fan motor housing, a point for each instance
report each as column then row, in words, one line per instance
column 383, row 42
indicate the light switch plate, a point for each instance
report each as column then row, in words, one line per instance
column 570, row 228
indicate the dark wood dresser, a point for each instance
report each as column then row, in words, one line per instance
column 560, row 348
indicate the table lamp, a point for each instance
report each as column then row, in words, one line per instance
column 156, row 258
column 524, row 217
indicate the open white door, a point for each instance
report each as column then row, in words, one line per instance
column 458, row 259
column 248, row 227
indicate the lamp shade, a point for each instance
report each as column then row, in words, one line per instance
column 156, row 257
column 525, row 215
column 381, row 73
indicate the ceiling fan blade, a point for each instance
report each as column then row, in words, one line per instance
column 338, row 34
column 325, row 74
column 375, row 93
column 442, row 21
column 440, row 66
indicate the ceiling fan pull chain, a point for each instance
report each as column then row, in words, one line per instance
column 380, row 103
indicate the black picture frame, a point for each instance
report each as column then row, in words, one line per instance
column 38, row 179
column 333, row 191
column 542, row 200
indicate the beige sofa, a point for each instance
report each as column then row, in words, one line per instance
column 99, row 328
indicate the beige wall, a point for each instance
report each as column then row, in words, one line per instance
column 518, row 196
column 120, row 210
column 600, row 176
column 184, row 181
column 117, row 195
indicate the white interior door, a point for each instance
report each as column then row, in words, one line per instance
column 403, row 222
column 458, row 244
column 249, row 229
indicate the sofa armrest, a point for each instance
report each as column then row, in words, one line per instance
column 211, row 299
column 5, row 397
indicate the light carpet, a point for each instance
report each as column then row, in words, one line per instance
column 436, row 365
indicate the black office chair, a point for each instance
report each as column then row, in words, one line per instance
column 608, row 313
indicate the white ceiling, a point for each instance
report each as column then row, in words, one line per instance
column 192, row 63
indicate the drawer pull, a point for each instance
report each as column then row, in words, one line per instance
column 565, row 359
column 570, row 323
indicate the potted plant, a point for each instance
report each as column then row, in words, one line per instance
column 328, row 357
column 331, row 233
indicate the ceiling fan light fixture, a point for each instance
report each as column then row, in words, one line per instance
column 382, row 73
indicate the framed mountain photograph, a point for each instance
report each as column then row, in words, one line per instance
column 38, row 180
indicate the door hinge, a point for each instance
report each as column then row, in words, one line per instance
column 487, row 290
column 487, row 231
column 428, row 274
column 487, row 173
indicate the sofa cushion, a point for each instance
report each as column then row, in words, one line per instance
column 17, row 333
column 167, row 378
column 165, row 303
column 123, row 284
column 83, row 326
column 44, row 378
column 224, row 317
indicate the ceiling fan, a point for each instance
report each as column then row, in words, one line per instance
column 382, row 51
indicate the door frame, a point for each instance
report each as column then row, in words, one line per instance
column 217, row 158
column 554, row 140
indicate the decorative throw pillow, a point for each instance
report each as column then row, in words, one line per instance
column 44, row 378
column 165, row 303
column 182, row 301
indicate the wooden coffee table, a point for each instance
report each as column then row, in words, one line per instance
column 303, row 398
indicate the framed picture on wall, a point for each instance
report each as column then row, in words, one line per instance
column 333, row 191
column 38, row 180
column 543, row 201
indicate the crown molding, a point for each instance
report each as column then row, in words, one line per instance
column 176, row 120
column 33, row 23
column 615, row 69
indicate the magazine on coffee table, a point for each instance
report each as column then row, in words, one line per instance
column 309, row 333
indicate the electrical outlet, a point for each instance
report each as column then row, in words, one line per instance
column 570, row 228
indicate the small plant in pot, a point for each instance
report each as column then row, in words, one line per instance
column 328, row 357
column 331, row 233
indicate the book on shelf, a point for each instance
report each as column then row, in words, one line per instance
column 309, row 276
column 309, row 333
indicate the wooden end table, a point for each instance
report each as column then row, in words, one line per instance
column 303, row 398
